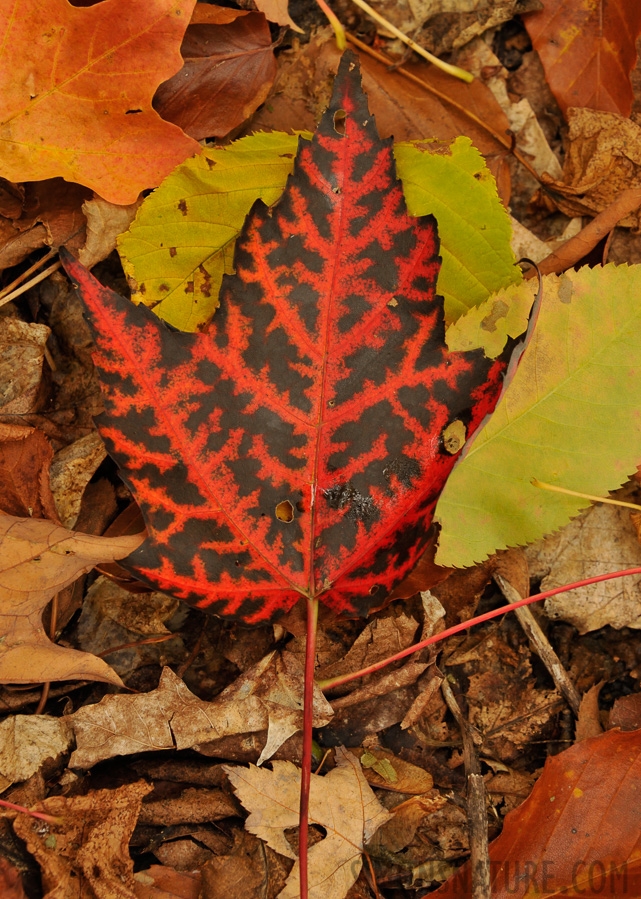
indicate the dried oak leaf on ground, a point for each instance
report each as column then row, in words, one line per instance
column 265, row 698
column 76, row 93
column 26, row 742
column 86, row 855
column 588, row 51
column 577, row 834
column 341, row 802
column 39, row 558
column 162, row 882
column 229, row 69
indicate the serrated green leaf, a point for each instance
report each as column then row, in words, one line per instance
column 182, row 240
column 474, row 227
column 571, row 417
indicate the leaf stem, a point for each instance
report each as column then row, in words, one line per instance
column 597, row 499
column 306, row 761
column 334, row 21
column 446, row 67
column 488, row 616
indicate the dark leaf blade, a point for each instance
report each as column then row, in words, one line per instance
column 299, row 447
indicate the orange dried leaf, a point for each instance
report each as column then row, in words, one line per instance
column 75, row 93
column 588, row 51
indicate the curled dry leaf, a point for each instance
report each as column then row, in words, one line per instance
column 342, row 803
column 39, row 558
column 265, row 698
column 74, row 106
column 89, row 846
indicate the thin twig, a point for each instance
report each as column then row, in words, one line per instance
column 476, row 801
column 574, row 249
column 455, row 71
column 498, row 137
column 32, row 283
column 541, row 645
column 471, row 622
column 22, row 277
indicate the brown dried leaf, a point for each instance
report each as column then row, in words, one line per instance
column 25, row 457
column 264, row 698
column 229, row 69
column 10, row 881
column 22, row 348
column 588, row 51
column 87, row 853
column 161, row 882
column 602, row 160
column 72, row 469
column 39, row 559
column 602, row 539
column 277, row 11
column 260, row 870
column 341, row 802
column 105, row 223
column 26, row 741
column 409, row 778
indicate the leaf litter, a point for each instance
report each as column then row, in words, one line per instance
column 496, row 679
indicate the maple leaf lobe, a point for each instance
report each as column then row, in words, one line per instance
column 322, row 387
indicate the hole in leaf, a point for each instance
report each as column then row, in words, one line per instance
column 331, row 403
column 339, row 121
column 285, row 511
column 237, row 563
column 132, row 111
column 373, row 589
column 300, row 505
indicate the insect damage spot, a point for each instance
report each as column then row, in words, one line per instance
column 339, row 121
column 360, row 508
column 454, row 436
column 182, row 206
column 566, row 289
column 172, row 251
column 499, row 310
column 285, row 511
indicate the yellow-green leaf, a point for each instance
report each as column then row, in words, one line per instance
column 182, row 240
column 475, row 231
column 571, row 417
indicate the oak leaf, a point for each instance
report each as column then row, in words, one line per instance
column 76, row 90
column 39, row 558
column 341, row 802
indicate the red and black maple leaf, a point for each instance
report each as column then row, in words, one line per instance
column 296, row 448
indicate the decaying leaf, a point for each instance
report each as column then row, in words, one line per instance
column 71, row 470
column 602, row 539
column 265, row 698
column 576, row 392
column 39, row 558
column 87, row 853
column 73, row 106
column 603, row 158
column 341, row 802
